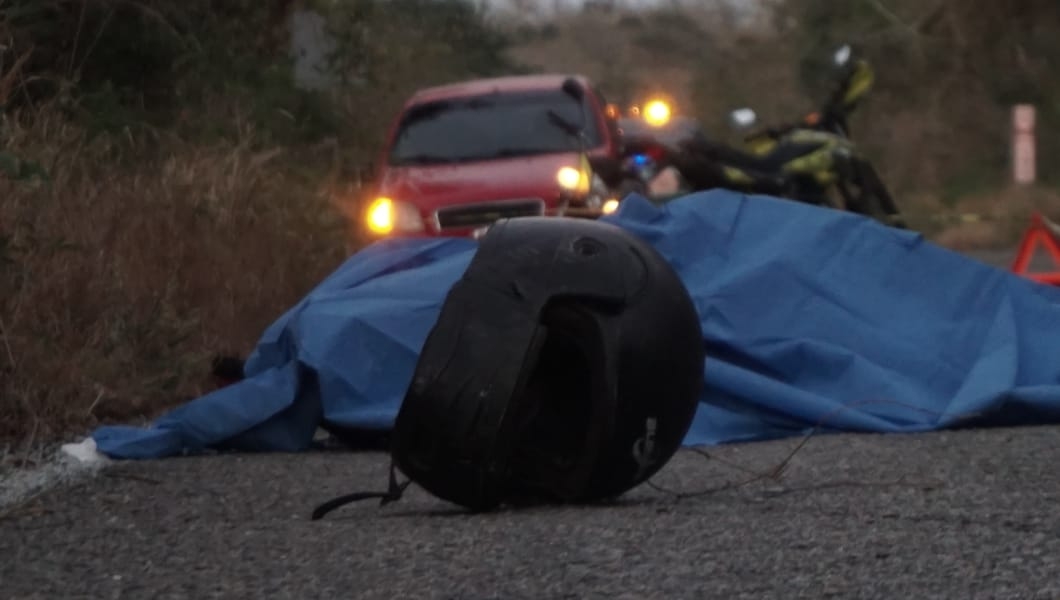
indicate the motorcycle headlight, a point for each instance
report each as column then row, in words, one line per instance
column 385, row 216
column 657, row 113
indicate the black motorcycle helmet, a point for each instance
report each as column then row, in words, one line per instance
column 565, row 366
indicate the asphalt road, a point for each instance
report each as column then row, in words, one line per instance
column 970, row 514
column 949, row 515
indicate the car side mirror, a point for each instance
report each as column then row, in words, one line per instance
column 572, row 88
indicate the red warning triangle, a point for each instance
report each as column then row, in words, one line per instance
column 1045, row 234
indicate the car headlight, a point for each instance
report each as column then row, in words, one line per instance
column 574, row 180
column 610, row 206
column 569, row 178
column 385, row 216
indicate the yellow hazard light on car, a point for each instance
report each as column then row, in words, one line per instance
column 381, row 216
column 610, row 206
column 657, row 113
column 387, row 216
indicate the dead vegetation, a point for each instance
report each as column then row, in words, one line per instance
column 119, row 283
column 150, row 223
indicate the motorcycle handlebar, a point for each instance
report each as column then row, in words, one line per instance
column 823, row 121
column 772, row 132
column 705, row 172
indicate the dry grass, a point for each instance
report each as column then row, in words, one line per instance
column 123, row 275
column 146, row 254
column 993, row 220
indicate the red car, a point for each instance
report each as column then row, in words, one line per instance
column 458, row 157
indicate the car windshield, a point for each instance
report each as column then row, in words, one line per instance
column 498, row 125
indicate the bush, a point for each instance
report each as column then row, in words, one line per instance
column 166, row 191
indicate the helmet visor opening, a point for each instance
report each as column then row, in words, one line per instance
column 565, row 404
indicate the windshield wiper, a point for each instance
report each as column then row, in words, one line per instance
column 425, row 159
column 510, row 152
column 563, row 123
column 519, row 152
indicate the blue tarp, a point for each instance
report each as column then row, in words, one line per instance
column 809, row 316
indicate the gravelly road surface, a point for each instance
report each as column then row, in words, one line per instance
column 947, row 515
column 970, row 514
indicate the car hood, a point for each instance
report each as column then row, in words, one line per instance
column 677, row 130
column 435, row 186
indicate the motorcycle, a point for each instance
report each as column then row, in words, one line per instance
column 812, row 161
column 822, row 164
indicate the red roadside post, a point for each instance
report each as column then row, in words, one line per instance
column 1024, row 159
column 1041, row 231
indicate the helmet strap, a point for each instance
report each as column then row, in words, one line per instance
column 394, row 492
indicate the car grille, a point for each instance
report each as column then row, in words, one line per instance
column 474, row 215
